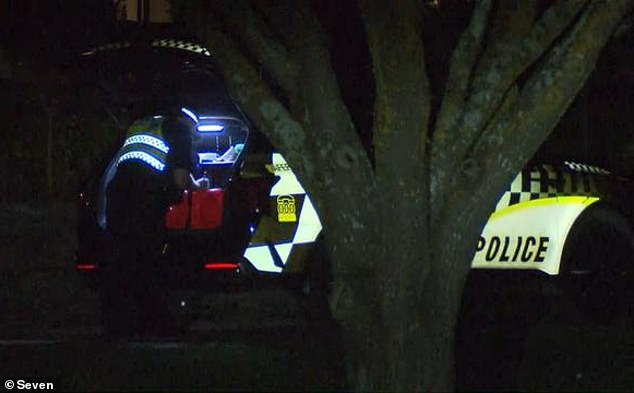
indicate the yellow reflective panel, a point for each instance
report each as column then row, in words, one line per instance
column 530, row 235
column 584, row 200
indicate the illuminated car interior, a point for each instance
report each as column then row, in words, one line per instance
column 219, row 145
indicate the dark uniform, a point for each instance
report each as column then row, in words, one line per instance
column 138, row 197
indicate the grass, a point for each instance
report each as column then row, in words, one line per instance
column 42, row 294
column 43, row 297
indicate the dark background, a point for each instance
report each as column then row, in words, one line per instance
column 54, row 129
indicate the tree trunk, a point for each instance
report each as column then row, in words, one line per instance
column 401, row 233
column 403, row 345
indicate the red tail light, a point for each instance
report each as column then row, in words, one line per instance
column 86, row 266
column 221, row 265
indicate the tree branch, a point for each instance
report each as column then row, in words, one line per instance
column 499, row 69
column 252, row 30
column 245, row 85
column 460, row 70
column 550, row 90
column 322, row 109
column 402, row 91
column 516, row 132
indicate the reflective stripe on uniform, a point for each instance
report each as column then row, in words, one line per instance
column 147, row 140
column 144, row 157
column 144, row 143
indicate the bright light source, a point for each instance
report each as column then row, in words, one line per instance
column 190, row 114
column 86, row 266
column 210, row 128
column 221, row 265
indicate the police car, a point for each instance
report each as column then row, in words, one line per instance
column 553, row 268
column 255, row 227
column 563, row 228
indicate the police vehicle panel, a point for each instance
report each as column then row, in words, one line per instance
column 272, row 221
column 532, row 219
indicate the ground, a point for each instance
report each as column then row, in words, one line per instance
column 50, row 329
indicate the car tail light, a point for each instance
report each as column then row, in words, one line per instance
column 86, row 266
column 221, row 265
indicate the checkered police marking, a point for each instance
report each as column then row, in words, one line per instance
column 534, row 216
column 575, row 166
column 307, row 223
column 546, row 181
column 184, row 45
column 162, row 43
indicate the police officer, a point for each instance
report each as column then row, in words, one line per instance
column 154, row 166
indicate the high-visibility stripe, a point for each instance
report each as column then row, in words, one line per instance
column 575, row 200
column 147, row 140
column 144, row 157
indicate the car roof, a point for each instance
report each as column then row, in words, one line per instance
column 159, row 71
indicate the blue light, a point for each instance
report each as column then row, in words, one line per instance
column 251, row 229
column 190, row 114
column 210, row 128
